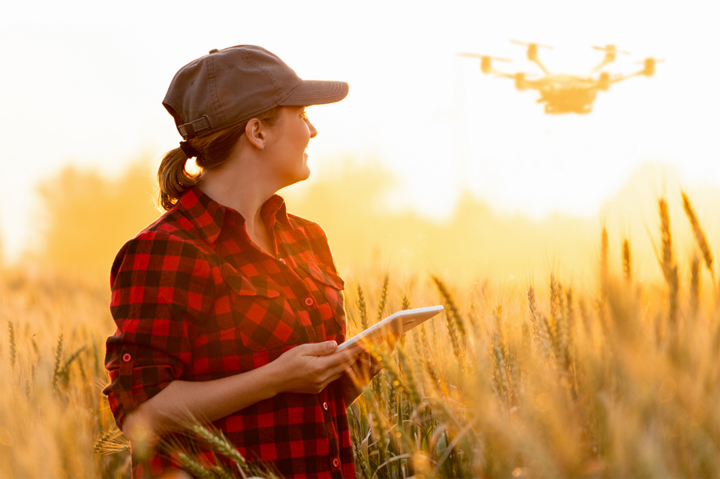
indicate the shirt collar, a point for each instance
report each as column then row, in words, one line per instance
column 208, row 215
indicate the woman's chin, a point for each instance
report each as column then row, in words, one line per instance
column 301, row 176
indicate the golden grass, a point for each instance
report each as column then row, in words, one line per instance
column 51, row 408
column 616, row 378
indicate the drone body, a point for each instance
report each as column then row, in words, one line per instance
column 562, row 93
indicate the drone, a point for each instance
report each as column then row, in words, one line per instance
column 562, row 93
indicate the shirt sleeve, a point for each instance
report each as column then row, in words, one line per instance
column 161, row 285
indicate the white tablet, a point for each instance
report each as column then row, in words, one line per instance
column 400, row 322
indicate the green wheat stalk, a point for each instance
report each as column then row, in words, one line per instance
column 362, row 306
column 58, row 357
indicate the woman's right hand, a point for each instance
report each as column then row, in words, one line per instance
column 309, row 368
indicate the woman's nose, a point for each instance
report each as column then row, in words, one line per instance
column 313, row 131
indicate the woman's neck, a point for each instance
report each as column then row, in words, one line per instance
column 243, row 190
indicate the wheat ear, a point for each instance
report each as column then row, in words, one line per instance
column 699, row 235
column 626, row 261
column 362, row 306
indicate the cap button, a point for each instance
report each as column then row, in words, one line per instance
column 214, row 50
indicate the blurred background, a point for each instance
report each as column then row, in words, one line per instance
column 426, row 164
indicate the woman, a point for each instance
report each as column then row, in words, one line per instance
column 228, row 308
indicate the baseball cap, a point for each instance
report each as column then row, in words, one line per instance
column 230, row 86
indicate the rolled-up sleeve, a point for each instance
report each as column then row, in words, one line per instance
column 161, row 287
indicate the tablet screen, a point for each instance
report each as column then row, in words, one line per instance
column 400, row 322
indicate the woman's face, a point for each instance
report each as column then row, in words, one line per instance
column 291, row 135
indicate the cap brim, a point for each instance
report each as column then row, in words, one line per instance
column 317, row 92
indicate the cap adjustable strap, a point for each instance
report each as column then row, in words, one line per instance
column 189, row 130
column 189, row 151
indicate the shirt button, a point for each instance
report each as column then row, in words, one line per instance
column 309, row 301
column 336, row 462
column 325, row 406
column 127, row 357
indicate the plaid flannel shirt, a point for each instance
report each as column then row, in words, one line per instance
column 194, row 299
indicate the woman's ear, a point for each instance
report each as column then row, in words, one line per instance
column 256, row 134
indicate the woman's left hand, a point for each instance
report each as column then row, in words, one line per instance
column 365, row 368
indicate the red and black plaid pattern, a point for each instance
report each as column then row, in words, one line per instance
column 194, row 299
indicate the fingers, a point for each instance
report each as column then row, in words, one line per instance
column 318, row 349
column 327, row 348
column 347, row 356
column 362, row 371
column 342, row 366
column 321, row 385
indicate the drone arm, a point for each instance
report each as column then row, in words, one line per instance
column 542, row 67
column 602, row 64
column 521, row 82
column 625, row 77
column 533, row 84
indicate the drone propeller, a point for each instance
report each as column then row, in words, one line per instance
column 528, row 44
column 477, row 55
column 641, row 62
column 610, row 49
column 525, row 75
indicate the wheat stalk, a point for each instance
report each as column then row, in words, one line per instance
column 699, row 235
column 604, row 247
column 454, row 311
column 364, row 472
column 111, row 441
column 694, row 285
column 626, row 261
column 58, row 356
column 667, row 261
column 429, row 361
column 405, row 302
column 570, row 348
column 405, row 306
column 194, row 467
column 670, row 269
column 362, row 306
column 219, row 443
column 500, row 376
column 456, row 330
column 13, row 347
column 409, row 376
column 383, row 298
column 64, row 371
column 541, row 329
column 555, row 305
column 562, row 338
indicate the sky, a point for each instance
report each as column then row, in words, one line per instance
column 82, row 83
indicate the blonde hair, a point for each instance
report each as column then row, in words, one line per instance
column 212, row 151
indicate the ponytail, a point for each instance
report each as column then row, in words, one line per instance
column 173, row 178
column 210, row 151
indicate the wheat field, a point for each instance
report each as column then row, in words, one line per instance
column 610, row 378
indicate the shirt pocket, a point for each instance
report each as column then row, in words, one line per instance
column 329, row 294
column 262, row 314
